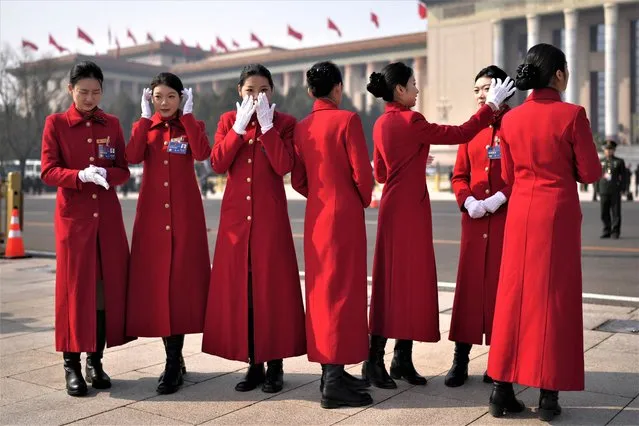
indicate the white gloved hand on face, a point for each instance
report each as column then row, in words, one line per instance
column 244, row 114
column 494, row 202
column 264, row 113
column 499, row 91
column 188, row 102
column 91, row 175
column 145, row 103
column 474, row 207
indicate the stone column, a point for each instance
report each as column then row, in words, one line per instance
column 498, row 43
column 612, row 114
column 286, row 85
column 418, row 71
column 570, row 28
column 348, row 80
column 532, row 28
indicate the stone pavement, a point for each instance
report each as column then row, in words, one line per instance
column 32, row 379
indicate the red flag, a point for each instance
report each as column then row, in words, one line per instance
column 27, row 43
column 236, row 44
column 219, row 43
column 56, row 45
column 117, row 48
column 185, row 49
column 84, row 36
column 256, row 40
column 167, row 40
column 213, row 50
column 374, row 19
column 130, row 35
column 149, row 37
column 294, row 33
column 422, row 10
column 332, row 26
column 198, row 45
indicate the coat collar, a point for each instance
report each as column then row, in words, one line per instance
column 395, row 106
column 546, row 93
column 158, row 120
column 323, row 103
column 75, row 117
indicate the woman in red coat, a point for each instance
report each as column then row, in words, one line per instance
column 404, row 295
column 547, row 147
column 481, row 195
column 170, row 263
column 334, row 173
column 83, row 155
column 255, row 311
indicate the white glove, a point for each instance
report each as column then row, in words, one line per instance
column 475, row 208
column 99, row 170
column 188, row 103
column 244, row 114
column 499, row 91
column 147, row 112
column 91, row 175
column 264, row 113
column 494, row 202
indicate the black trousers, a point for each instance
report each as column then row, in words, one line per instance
column 611, row 203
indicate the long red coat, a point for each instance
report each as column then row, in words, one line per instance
column 254, row 222
column 333, row 172
column 404, row 301
column 86, row 215
column 481, row 239
column 547, row 147
column 170, row 263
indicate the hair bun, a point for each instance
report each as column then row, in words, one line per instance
column 377, row 85
column 527, row 77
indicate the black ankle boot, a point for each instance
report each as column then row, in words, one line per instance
column 349, row 381
column 402, row 366
column 374, row 369
column 274, row 379
column 336, row 394
column 182, row 364
column 76, row 386
column 458, row 373
column 171, row 379
column 94, row 372
column 254, row 377
column 548, row 405
column 503, row 400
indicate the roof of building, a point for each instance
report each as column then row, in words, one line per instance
column 160, row 47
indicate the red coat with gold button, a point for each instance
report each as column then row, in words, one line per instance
column 537, row 337
column 170, row 263
column 481, row 239
column 334, row 174
column 254, row 232
column 404, row 301
column 90, row 236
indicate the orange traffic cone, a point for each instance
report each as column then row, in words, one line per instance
column 15, row 245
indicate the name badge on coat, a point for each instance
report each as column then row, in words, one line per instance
column 494, row 152
column 106, row 152
column 178, row 146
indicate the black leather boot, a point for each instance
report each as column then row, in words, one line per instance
column 487, row 378
column 402, row 366
column 349, row 381
column 458, row 373
column 503, row 400
column 254, row 377
column 336, row 394
column 76, row 386
column 94, row 372
column 182, row 364
column 374, row 369
column 274, row 379
column 171, row 379
column 548, row 405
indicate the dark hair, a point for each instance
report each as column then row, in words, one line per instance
column 382, row 84
column 322, row 77
column 255, row 69
column 167, row 79
column 493, row 71
column 541, row 63
column 85, row 69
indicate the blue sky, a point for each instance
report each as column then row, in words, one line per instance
column 201, row 21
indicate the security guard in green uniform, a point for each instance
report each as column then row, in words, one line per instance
column 610, row 188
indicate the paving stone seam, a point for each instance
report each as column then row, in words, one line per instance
column 627, row 405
